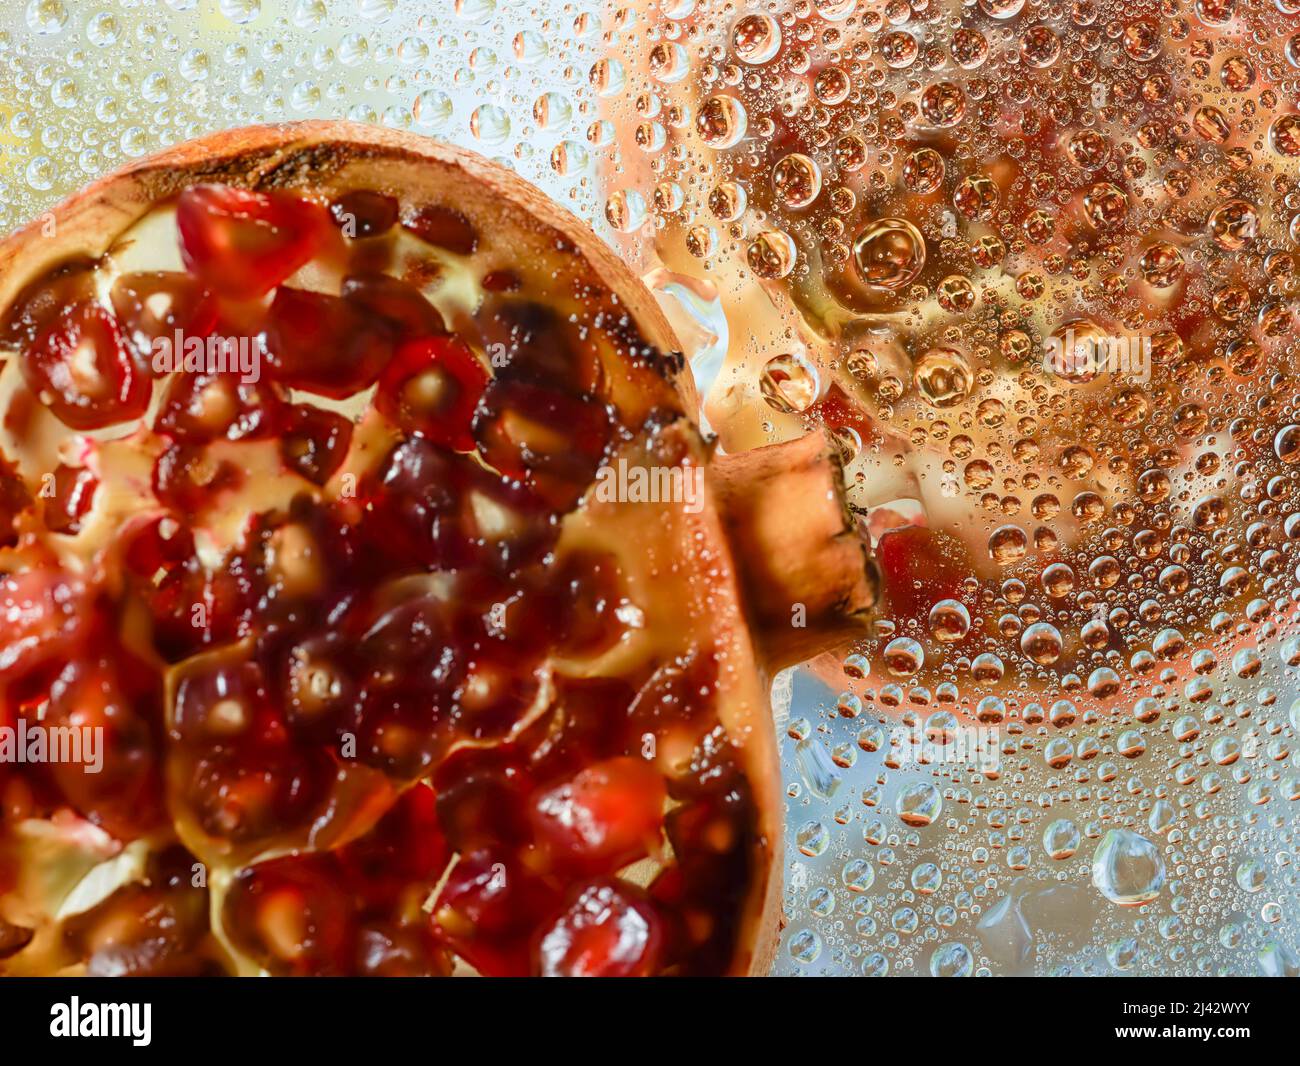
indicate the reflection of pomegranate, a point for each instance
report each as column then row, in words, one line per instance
column 384, row 687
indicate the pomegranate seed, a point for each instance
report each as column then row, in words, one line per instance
column 14, row 500
column 555, row 440
column 151, row 928
column 156, row 305
column 120, row 789
column 912, row 554
column 240, row 243
column 416, row 506
column 319, row 687
column 442, row 227
column 292, row 917
column 288, row 567
column 325, row 344
column 80, row 368
column 604, row 817
column 206, row 406
column 401, row 859
column 531, row 342
column 244, row 796
column 587, row 590
column 482, row 798
column 188, row 479
column 362, row 213
column 314, row 442
column 487, row 911
column 596, row 712
column 219, row 699
column 385, row 949
column 162, row 571
column 432, row 387
column 46, row 300
column 74, row 495
column 44, row 614
column 397, row 302
column 609, row 930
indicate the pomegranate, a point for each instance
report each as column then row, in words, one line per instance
column 370, row 645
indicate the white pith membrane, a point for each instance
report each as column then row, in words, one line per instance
column 69, row 866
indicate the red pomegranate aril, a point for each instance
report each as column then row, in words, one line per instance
column 432, row 387
column 319, row 686
column 500, row 687
column 74, row 495
column 314, row 442
column 397, row 302
column 595, row 724
column 609, row 930
column 442, row 227
column 919, row 567
column 604, row 817
column 209, row 406
column 296, row 566
column 113, row 781
column 153, row 307
column 44, row 301
column 81, row 369
column 189, row 608
column 240, row 243
column 587, row 590
column 362, row 213
column 507, row 610
column 153, row 547
column 556, row 440
column 531, row 342
column 14, row 500
column 487, row 911
column 292, row 917
column 416, row 506
column 149, row 928
column 189, row 479
column 394, row 867
column 513, row 525
column 249, row 796
column 388, row 949
column 44, row 613
column 401, row 729
column 220, row 698
column 324, row 344
column 482, row 798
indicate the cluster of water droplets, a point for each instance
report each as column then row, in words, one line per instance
column 85, row 87
column 1034, row 265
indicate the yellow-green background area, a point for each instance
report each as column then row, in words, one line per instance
column 88, row 85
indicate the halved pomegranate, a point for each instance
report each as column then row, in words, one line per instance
column 369, row 636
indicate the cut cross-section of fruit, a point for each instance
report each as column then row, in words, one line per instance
column 425, row 630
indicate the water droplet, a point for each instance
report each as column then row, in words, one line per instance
column 1127, row 868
